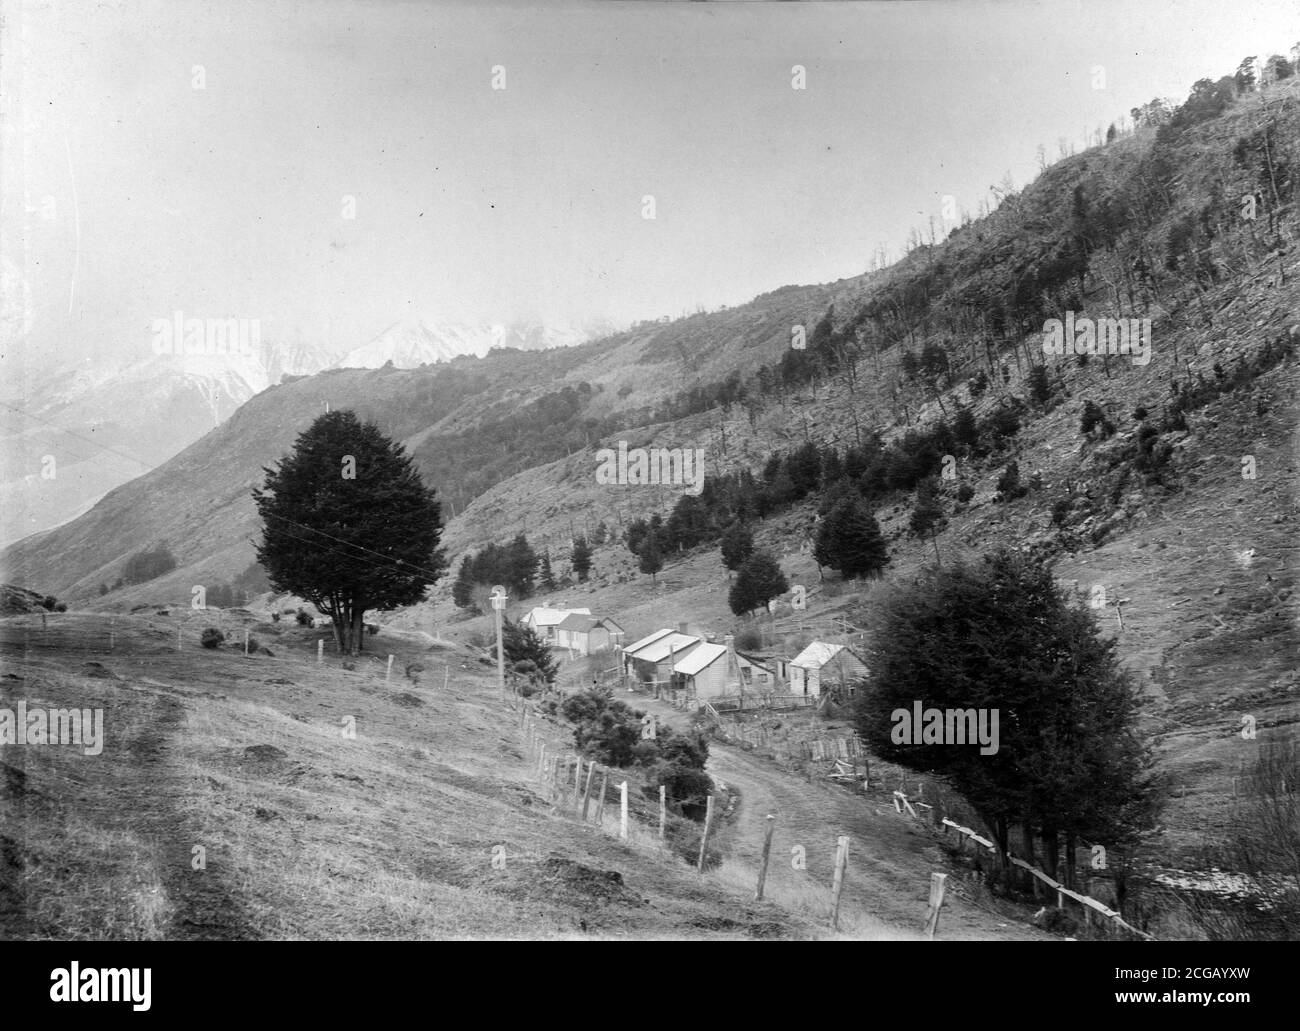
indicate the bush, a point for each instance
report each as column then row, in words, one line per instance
column 372, row 629
column 61, row 607
column 304, row 617
column 749, row 641
column 253, row 645
column 49, row 602
column 275, row 617
column 1009, row 487
column 965, row 492
column 212, row 638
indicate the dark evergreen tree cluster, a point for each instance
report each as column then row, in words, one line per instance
column 514, row 566
column 147, row 565
column 1000, row 635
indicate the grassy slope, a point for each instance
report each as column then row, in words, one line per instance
column 307, row 835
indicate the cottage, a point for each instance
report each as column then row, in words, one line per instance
column 755, row 672
column 704, row 671
column 545, row 621
column 655, row 656
column 586, row 635
column 822, row 664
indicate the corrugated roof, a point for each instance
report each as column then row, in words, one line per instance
column 658, row 650
column 816, row 655
column 577, row 621
column 649, row 639
column 700, row 658
column 542, row 616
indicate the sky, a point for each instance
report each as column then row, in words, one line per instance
column 170, row 155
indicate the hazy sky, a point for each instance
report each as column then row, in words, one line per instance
column 496, row 204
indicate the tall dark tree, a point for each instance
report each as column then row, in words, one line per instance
column 522, row 567
column 759, row 581
column 581, row 558
column 652, row 559
column 737, row 545
column 526, row 653
column 927, row 514
column 999, row 635
column 546, row 575
column 462, row 590
column 849, row 540
column 349, row 525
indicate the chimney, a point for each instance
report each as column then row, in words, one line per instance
column 733, row 666
column 683, row 628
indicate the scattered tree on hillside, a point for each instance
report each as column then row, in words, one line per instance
column 651, row 559
column 927, row 513
column 545, row 575
column 581, row 559
column 849, row 540
column 349, row 543
column 759, row 581
column 737, row 545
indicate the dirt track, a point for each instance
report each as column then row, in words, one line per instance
column 891, row 857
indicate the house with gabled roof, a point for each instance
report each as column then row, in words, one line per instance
column 544, row 621
column 822, row 665
column 655, row 656
column 587, row 634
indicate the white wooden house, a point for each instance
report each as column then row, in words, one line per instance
column 655, row 656
column 545, row 621
column 824, row 665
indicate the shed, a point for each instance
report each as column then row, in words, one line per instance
column 824, row 664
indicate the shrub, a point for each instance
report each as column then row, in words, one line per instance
column 749, row 641
column 61, row 607
column 1140, row 413
column 212, row 638
column 1009, row 487
column 253, row 645
column 372, row 629
column 275, row 617
column 1060, row 509
column 49, row 602
column 965, row 492
column 304, row 617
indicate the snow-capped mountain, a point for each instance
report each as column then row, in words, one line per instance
column 411, row 343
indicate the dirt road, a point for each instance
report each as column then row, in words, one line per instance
column 891, row 857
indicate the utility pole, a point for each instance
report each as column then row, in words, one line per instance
column 498, row 598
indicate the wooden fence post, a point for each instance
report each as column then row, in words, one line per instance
column 600, row 802
column 586, row 795
column 938, row 885
column 245, row 641
column 663, row 810
column 388, row 674
column 178, row 638
column 837, row 886
column 577, row 784
column 767, row 853
column 704, row 838
column 622, row 812
column 541, row 761
column 320, row 651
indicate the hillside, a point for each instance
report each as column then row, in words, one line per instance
column 226, row 803
column 1149, row 501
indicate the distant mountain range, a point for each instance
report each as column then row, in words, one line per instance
column 103, row 421
column 412, row 343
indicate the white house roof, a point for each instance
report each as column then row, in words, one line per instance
column 700, row 658
column 657, row 651
column 816, row 655
column 542, row 616
column 649, row 639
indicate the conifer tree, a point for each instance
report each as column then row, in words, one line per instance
column 349, row 525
